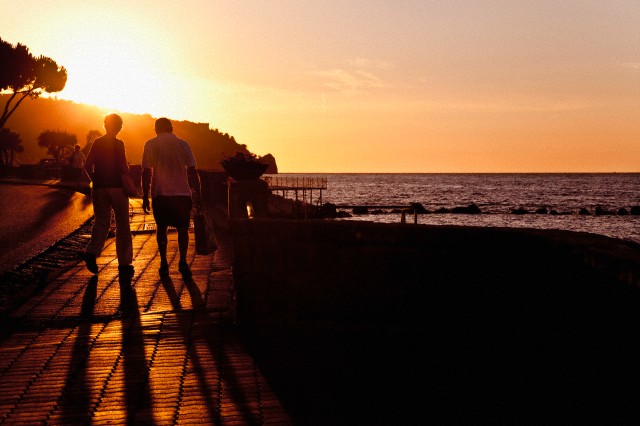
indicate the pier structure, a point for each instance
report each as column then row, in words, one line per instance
column 297, row 184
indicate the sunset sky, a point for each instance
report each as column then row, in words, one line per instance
column 364, row 86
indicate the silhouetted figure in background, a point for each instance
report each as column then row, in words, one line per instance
column 105, row 165
column 77, row 160
column 168, row 166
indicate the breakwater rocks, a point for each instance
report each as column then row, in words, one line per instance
column 418, row 208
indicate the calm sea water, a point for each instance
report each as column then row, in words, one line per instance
column 496, row 195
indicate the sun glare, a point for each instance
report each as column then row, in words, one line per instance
column 118, row 71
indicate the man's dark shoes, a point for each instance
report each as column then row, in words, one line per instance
column 90, row 261
column 183, row 268
column 126, row 270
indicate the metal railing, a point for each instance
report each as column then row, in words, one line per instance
column 297, row 184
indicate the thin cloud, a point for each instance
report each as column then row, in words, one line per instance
column 350, row 82
column 362, row 63
column 507, row 106
column 632, row 65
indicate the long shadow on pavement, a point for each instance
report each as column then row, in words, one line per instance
column 136, row 369
column 75, row 400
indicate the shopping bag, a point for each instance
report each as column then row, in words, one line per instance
column 203, row 230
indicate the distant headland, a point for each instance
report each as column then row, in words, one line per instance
column 33, row 117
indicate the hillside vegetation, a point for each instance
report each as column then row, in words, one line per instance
column 35, row 116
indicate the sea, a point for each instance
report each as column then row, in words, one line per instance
column 598, row 203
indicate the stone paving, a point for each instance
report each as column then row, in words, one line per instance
column 102, row 349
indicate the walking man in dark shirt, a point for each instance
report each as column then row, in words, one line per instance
column 105, row 165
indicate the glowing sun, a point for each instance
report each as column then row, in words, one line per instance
column 118, row 70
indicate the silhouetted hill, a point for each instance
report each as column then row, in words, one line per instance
column 34, row 116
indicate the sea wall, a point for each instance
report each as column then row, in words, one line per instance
column 500, row 324
column 349, row 271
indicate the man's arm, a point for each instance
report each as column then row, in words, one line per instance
column 122, row 158
column 88, row 165
column 194, row 184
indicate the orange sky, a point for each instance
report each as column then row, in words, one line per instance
column 367, row 86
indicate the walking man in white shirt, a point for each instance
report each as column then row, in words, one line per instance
column 169, row 169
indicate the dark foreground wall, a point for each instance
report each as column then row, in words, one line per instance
column 383, row 323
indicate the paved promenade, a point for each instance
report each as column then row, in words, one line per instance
column 102, row 349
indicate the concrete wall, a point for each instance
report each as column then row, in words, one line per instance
column 366, row 272
column 503, row 324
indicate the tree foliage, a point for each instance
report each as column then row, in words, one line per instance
column 24, row 75
column 59, row 144
column 10, row 143
column 209, row 144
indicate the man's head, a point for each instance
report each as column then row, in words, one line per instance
column 113, row 124
column 163, row 125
